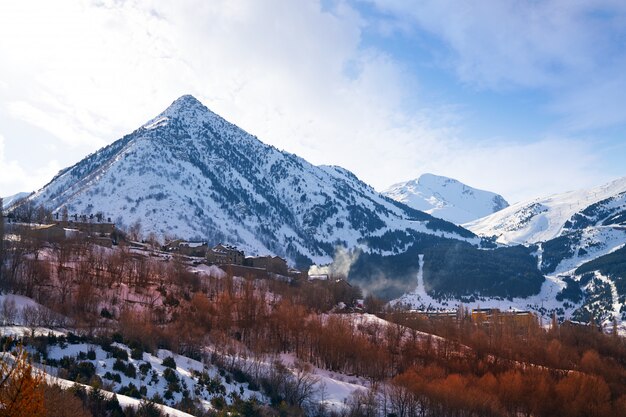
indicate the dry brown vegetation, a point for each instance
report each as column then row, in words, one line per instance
column 471, row 369
column 21, row 388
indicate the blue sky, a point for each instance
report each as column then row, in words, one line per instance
column 524, row 98
column 493, row 100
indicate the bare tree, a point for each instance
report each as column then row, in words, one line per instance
column 296, row 386
column 363, row 403
column 49, row 318
column 20, row 393
column 401, row 400
column 64, row 252
column 8, row 311
column 153, row 241
column 134, row 231
column 42, row 215
column 303, row 386
column 31, row 316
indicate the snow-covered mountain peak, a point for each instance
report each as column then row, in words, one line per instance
column 446, row 198
column 184, row 106
column 432, row 180
column 186, row 111
column 546, row 218
column 190, row 173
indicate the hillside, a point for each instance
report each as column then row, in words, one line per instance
column 10, row 200
column 578, row 239
column 546, row 218
column 166, row 333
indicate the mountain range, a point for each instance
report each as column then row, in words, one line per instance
column 579, row 241
column 189, row 173
column 446, row 198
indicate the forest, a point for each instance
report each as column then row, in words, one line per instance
column 502, row 272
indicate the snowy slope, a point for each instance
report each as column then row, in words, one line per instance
column 8, row 201
column 546, row 218
column 203, row 379
column 446, row 198
column 189, row 173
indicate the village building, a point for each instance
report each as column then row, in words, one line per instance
column 225, row 254
column 297, row 274
column 48, row 232
column 493, row 315
column 90, row 228
column 188, row 248
column 274, row 264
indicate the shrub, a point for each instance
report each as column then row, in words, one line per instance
column 156, row 398
column 169, row 362
column 106, row 314
column 170, row 375
column 113, row 377
column 83, row 371
column 145, row 367
column 119, row 366
column 148, row 409
column 105, row 344
column 119, row 353
column 239, row 376
column 131, row 371
column 137, row 354
column 218, row 402
column 130, row 390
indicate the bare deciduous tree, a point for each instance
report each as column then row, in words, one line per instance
column 8, row 311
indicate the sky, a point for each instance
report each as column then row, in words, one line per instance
column 524, row 98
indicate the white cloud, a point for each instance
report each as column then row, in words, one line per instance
column 503, row 42
column 524, row 170
column 572, row 50
column 16, row 178
column 61, row 123
column 292, row 74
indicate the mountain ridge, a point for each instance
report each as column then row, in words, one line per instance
column 545, row 218
column 8, row 201
column 190, row 173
